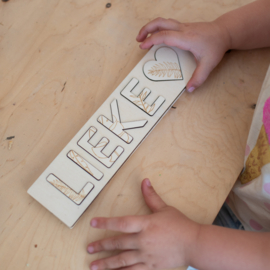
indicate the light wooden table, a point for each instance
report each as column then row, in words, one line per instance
column 59, row 61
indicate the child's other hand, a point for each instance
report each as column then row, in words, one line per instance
column 208, row 41
column 160, row 240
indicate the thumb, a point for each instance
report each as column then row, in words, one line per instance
column 152, row 199
column 199, row 76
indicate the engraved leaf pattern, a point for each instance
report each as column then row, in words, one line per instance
column 97, row 150
column 76, row 197
column 91, row 132
column 115, row 155
column 80, row 161
column 166, row 69
column 139, row 101
column 116, row 127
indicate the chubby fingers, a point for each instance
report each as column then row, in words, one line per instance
column 138, row 266
column 168, row 37
column 128, row 224
column 201, row 73
column 122, row 260
column 122, row 242
column 152, row 199
column 157, row 24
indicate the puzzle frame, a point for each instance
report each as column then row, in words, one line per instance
column 81, row 170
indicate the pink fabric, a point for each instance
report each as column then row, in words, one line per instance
column 266, row 187
column 255, row 225
column 266, row 118
column 247, row 150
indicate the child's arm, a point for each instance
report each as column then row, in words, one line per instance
column 245, row 28
column 248, row 26
column 168, row 239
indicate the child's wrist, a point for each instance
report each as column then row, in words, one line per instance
column 192, row 248
column 224, row 33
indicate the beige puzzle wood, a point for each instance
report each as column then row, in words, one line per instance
column 116, row 126
column 165, row 67
column 140, row 99
column 96, row 151
column 82, row 169
column 66, row 190
column 85, row 164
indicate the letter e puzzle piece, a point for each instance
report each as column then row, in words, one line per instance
column 96, row 151
column 93, row 156
column 140, row 99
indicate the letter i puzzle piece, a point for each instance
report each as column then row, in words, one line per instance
column 81, row 170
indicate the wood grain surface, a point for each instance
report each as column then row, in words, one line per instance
column 59, row 61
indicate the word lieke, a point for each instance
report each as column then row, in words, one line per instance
column 82, row 169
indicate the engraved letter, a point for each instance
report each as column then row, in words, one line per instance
column 139, row 100
column 116, row 126
column 96, row 151
column 70, row 193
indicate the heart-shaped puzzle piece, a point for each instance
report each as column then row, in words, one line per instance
column 166, row 67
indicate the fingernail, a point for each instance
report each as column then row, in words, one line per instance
column 93, row 223
column 94, row 267
column 148, row 183
column 191, row 89
column 142, row 45
column 90, row 249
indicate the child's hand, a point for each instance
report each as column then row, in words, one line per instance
column 160, row 240
column 207, row 41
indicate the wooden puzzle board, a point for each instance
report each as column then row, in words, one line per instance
column 47, row 95
column 89, row 161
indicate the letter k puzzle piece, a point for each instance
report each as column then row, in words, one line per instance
column 116, row 126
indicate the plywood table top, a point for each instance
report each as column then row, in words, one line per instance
column 59, row 61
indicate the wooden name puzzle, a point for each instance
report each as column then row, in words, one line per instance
column 82, row 169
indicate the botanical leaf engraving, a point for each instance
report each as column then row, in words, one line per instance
column 116, row 126
column 84, row 164
column 168, row 69
column 70, row 193
column 165, row 67
column 96, row 151
column 139, row 100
